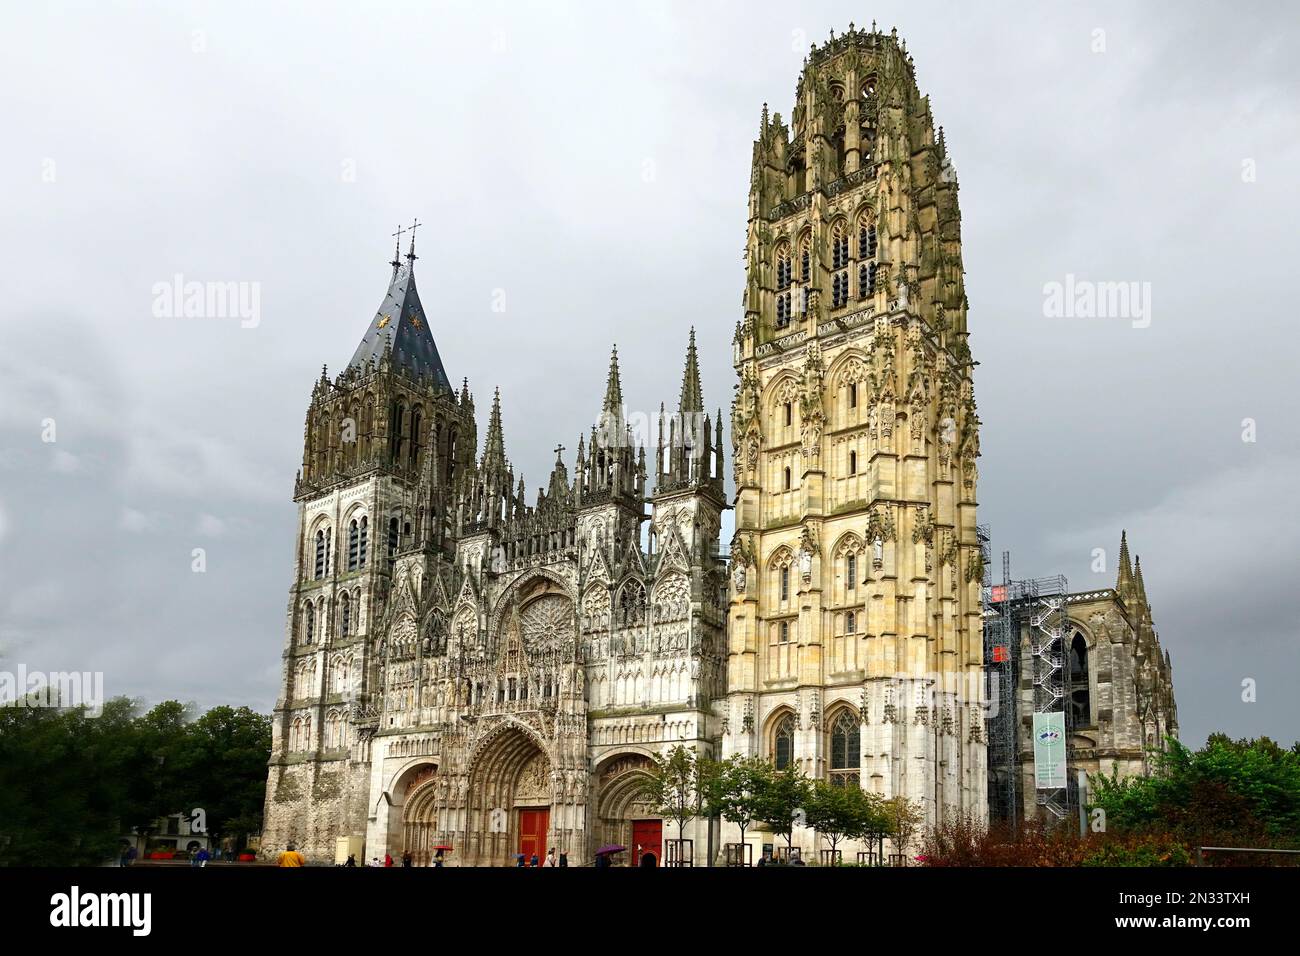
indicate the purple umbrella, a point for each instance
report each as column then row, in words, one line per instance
column 610, row 848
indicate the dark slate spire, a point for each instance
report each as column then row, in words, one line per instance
column 400, row 329
column 692, row 399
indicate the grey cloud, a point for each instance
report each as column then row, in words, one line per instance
column 590, row 162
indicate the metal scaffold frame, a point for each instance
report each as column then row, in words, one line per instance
column 1000, row 690
column 1036, row 609
column 1047, row 617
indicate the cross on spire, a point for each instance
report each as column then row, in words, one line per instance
column 397, row 248
column 415, row 224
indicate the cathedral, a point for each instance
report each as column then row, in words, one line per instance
column 466, row 668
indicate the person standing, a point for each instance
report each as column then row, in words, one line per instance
column 564, row 859
column 291, row 857
column 388, row 859
column 550, row 857
column 203, row 856
column 406, row 860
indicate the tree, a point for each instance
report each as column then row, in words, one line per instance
column 673, row 788
column 226, row 752
column 842, row 812
column 734, row 787
column 905, row 818
column 71, row 784
column 783, row 794
column 1230, row 793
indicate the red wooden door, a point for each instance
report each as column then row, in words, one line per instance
column 647, row 837
column 532, row 834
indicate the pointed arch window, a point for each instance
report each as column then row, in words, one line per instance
column 354, row 544
column 309, row 624
column 345, row 615
column 787, row 479
column 846, row 750
column 783, row 743
column 1080, row 693
column 853, row 394
column 851, row 623
column 853, row 463
column 416, row 420
column 363, row 533
column 395, row 432
column 785, row 582
column 321, row 554
column 866, row 240
column 850, row 577
column 393, row 538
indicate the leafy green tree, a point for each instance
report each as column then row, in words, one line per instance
column 783, row 794
column 224, row 756
column 904, row 819
column 735, row 786
column 673, row 788
column 66, row 783
column 1230, row 792
column 838, row 813
column 72, row 784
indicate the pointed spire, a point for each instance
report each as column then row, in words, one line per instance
column 1139, row 586
column 397, row 250
column 411, row 256
column 1124, row 583
column 613, row 387
column 692, row 399
column 494, row 450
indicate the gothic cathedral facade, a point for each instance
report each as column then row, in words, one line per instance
column 470, row 670
column 466, row 668
column 854, row 634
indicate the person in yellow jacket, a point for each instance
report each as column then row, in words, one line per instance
column 291, row 857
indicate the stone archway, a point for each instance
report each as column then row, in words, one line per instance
column 420, row 830
column 623, row 814
column 510, row 799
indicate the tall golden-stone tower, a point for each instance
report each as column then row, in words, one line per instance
column 855, row 646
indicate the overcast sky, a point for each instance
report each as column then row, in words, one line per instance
column 588, row 165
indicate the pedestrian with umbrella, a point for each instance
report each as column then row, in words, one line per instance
column 604, row 854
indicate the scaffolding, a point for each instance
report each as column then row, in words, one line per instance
column 1000, row 655
column 1036, row 610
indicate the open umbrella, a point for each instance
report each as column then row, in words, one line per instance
column 443, row 846
column 610, row 848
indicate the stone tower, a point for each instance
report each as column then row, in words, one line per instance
column 383, row 444
column 855, row 647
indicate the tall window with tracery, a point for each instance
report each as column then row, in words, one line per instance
column 846, row 750
column 840, row 266
column 1080, row 694
column 783, row 743
column 322, row 554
